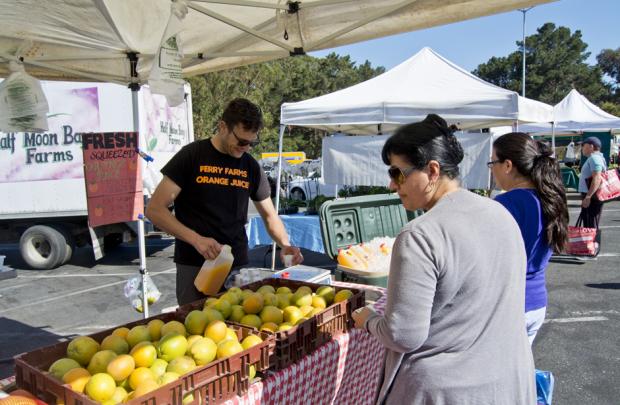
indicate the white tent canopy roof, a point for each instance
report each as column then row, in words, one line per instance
column 90, row 39
column 576, row 113
column 425, row 83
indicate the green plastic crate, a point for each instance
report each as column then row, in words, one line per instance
column 354, row 220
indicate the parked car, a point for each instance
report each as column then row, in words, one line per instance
column 304, row 188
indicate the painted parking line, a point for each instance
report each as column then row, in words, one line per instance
column 131, row 273
column 579, row 319
column 64, row 295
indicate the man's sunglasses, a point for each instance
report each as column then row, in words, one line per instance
column 399, row 175
column 244, row 142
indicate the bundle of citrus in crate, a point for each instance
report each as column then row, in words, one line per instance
column 165, row 358
column 302, row 315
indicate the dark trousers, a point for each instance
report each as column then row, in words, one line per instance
column 591, row 216
column 187, row 291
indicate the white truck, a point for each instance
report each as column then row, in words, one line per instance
column 42, row 190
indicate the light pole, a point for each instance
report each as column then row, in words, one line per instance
column 524, row 10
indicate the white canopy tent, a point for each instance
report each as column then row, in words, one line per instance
column 575, row 113
column 423, row 84
column 116, row 40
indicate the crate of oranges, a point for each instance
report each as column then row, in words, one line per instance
column 302, row 315
column 165, row 359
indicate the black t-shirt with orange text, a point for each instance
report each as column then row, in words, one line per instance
column 215, row 190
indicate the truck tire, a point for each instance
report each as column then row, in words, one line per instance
column 43, row 247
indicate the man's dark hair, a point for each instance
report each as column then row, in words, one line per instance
column 244, row 112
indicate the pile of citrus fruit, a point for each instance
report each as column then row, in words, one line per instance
column 269, row 308
column 133, row 362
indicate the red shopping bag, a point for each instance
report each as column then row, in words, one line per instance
column 610, row 186
column 583, row 241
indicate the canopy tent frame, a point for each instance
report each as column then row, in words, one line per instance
column 62, row 51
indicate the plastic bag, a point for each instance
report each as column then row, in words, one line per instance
column 544, row 387
column 23, row 106
column 133, row 291
column 166, row 75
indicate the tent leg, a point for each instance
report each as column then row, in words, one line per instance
column 141, row 238
column 143, row 271
column 553, row 139
column 280, row 140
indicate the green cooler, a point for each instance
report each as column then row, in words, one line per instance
column 354, row 220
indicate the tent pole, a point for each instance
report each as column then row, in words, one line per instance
column 135, row 87
column 553, row 139
column 280, row 140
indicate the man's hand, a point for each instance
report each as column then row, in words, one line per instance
column 293, row 251
column 209, row 248
column 586, row 202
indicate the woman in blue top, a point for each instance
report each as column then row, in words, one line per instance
column 536, row 199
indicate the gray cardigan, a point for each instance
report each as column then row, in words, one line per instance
column 454, row 326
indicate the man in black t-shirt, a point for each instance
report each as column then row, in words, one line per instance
column 210, row 182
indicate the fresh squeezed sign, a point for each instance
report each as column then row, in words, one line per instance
column 113, row 177
column 56, row 154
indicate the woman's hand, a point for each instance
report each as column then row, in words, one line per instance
column 360, row 316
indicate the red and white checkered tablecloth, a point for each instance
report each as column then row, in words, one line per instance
column 343, row 371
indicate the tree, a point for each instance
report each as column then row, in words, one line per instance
column 269, row 85
column 609, row 62
column 555, row 63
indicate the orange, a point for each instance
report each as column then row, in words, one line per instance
column 227, row 348
column 154, row 327
column 195, row 322
column 99, row 362
column 144, row 354
column 139, row 375
column 121, row 367
column 253, row 304
column 271, row 314
column 250, row 340
column 115, row 343
column 319, row 302
column 343, row 295
column 173, row 326
column 61, row 366
column 216, row 331
column 100, row 387
column 76, row 378
column 122, row 332
column 145, row 387
column 82, row 349
column 181, row 365
column 252, row 320
column 270, row 326
column 137, row 334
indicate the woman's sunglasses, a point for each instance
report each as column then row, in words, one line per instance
column 244, row 142
column 399, row 175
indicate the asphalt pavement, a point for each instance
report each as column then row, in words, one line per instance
column 578, row 343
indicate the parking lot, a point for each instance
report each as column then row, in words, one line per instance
column 578, row 343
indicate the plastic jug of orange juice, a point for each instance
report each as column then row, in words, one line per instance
column 213, row 273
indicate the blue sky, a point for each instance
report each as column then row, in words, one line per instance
column 472, row 42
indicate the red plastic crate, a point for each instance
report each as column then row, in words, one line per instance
column 210, row 384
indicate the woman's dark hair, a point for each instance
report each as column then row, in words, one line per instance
column 423, row 141
column 533, row 160
column 243, row 111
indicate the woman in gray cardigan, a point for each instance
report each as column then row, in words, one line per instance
column 453, row 323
